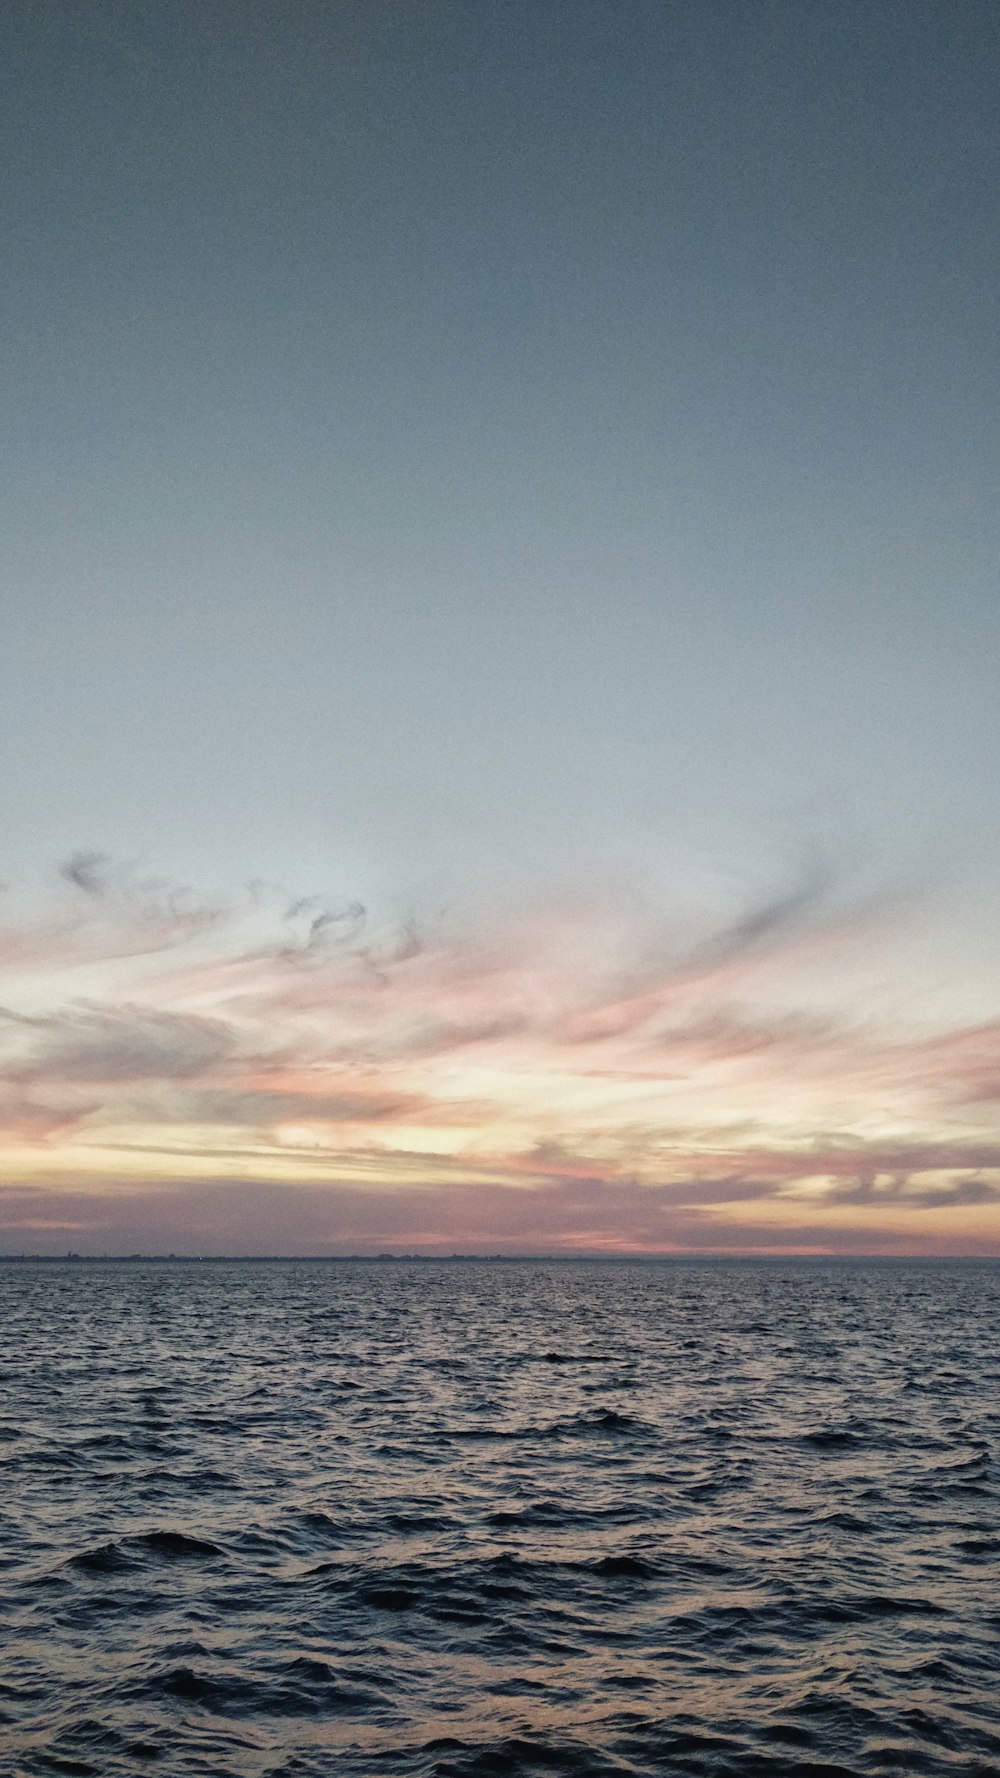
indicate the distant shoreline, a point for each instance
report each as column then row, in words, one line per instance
column 492, row 1259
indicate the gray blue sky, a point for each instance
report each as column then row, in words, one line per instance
column 461, row 455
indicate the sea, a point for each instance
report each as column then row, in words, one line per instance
column 470, row 1519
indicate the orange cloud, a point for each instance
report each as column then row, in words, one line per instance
column 596, row 1075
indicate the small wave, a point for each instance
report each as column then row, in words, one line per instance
column 514, row 1755
column 127, row 1554
column 843, row 1521
column 407, row 1522
column 544, row 1512
column 503, row 1553
column 877, row 1605
column 107, row 1558
column 832, row 1438
column 622, row 1567
column 389, row 1598
column 304, row 1687
column 321, row 1522
column 176, row 1545
column 607, row 1421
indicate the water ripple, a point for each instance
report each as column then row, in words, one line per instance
column 460, row 1520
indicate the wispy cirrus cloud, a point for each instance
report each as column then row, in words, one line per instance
column 600, row 1068
column 111, row 912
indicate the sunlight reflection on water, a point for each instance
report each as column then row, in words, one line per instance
column 469, row 1518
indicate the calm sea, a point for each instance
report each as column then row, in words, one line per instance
column 475, row 1519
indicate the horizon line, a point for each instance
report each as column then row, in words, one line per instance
column 648, row 1258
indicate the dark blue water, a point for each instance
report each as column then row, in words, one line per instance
column 471, row 1519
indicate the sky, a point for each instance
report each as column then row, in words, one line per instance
column 499, row 627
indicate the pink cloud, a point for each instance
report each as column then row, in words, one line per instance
column 569, row 1216
column 576, row 1076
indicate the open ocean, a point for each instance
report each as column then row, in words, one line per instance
column 470, row 1519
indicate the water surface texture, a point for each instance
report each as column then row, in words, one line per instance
column 472, row 1519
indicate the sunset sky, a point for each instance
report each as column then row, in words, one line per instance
column 500, row 628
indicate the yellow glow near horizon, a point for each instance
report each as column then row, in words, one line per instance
column 540, row 1088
